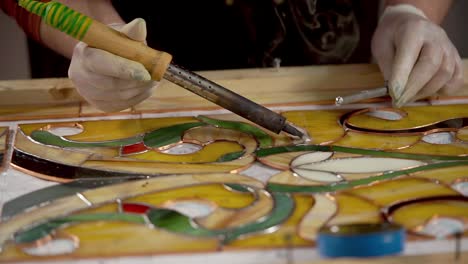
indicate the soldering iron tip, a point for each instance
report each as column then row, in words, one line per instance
column 290, row 129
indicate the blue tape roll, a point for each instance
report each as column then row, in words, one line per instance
column 361, row 240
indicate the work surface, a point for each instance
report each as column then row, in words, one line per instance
column 304, row 95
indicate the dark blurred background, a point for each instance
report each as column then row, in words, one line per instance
column 15, row 60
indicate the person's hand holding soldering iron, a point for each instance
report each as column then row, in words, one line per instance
column 110, row 82
column 414, row 54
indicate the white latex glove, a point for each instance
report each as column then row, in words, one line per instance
column 415, row 55
column 109, row 82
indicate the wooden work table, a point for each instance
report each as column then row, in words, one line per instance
column 287, row 86
column 283, row 87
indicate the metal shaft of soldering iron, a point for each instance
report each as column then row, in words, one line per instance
column 363, row 95
column 230, row 100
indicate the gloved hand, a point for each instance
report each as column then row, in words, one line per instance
column 415, row 55
column 109, row 82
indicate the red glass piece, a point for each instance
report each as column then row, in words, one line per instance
column 135, row 208
column 134, row 148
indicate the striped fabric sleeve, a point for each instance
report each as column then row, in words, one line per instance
column 30, row 23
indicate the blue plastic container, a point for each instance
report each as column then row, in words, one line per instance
column 361, row 240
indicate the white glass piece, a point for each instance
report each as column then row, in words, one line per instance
column 310, row 158
column 65, row 131
column 52, row 248
column 183, row 148
column 461, row 187
column 192, row 209
column 439, row 138
column 385, row 114
column 362, row 165
column 320, row 176
column 442, row 227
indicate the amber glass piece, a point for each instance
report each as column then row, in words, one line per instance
column 133, row 239
column 215, row 193
column 117, row 129
column 208, row 134
column 376, row 141
column 315, row 122
column 444, row 175
column 456, row 149
column 389, row 192
column 415, row 215
column 463, row 134
column 285, row 235
column 417, row 116
column 353, row 209
column 209, row 153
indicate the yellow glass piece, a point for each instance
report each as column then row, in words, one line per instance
column 417, row 116
column 444, row 175
column 95, row 131
column 376, row 141
column 286, row 234
column 354, row 210
column 216, row 193
column 99, row 239
column 415, row 215
column 107, row 208
column 223, row 218
column 209, row 153
column 436, row 149
column 463, row 134
column 389, row 192
column 100, row 153
column 322, row 126
column 170, row 168
column 206, row 135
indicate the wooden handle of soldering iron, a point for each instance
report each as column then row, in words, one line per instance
column 98, row 35
column 105, row 38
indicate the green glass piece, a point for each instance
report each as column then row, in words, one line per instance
column 230, row 156
column 238, row 187
column 367, row 152
column 263, row 152
column 263, row 138
column 273, row 187
column 38, row 232
column 168, row 135
column 174, row 221
column 42, row 230
column 283, row 208
column 47, row 138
